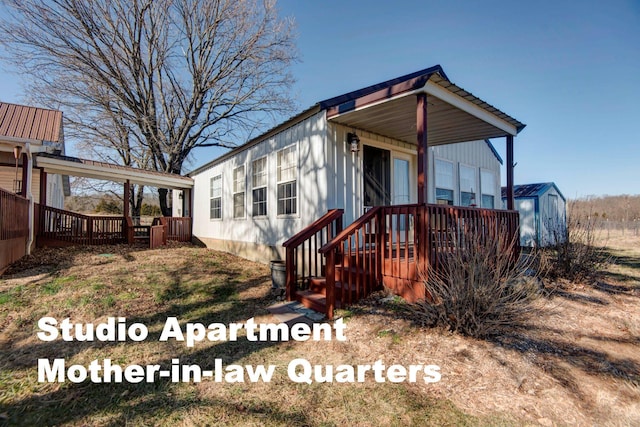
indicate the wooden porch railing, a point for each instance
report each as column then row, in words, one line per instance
column 303, row 261
column 14, row 228
column 177, row 228
column 14, row 214
column 72, row 228
column 157, row 236
column 353, row 259
column 394, row 246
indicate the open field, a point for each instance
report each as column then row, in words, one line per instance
column 577, row 364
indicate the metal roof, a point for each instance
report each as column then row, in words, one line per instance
column 30, row 123
column 454, row 114
column 531, row 190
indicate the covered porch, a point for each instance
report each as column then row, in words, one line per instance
column 395, row 245
column 58, row 227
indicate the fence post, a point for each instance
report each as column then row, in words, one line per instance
column 291, row 273
column 90, row 230
column 331, row 283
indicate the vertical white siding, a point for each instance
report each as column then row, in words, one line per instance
column 345, row 175
column 309, row 138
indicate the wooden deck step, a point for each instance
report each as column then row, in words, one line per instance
column 313, row 300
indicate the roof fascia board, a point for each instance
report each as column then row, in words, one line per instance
column 406, row 89
column 384, row 86
column 390, row 93
column 468, row 107
column 118, row 175
column 374, row 103
column 14, row 140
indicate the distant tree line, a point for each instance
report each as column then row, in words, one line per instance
column 623, row 208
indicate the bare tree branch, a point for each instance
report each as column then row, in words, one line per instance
column 154, row 79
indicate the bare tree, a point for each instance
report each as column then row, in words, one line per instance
column 176, row 74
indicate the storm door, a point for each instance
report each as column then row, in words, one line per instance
column 377, row 176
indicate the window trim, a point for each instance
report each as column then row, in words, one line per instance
column 265, row 174
column 473, row 192
column 435, row 180
column 243, row 180
column 493, row 188
column 280, row 182
column 211, row 198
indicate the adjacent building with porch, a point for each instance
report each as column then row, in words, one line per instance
column 350, row 190
column 34, row 173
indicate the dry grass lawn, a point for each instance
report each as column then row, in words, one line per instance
column 577, row 364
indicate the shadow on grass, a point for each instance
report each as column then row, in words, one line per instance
column 219, row 302
column 631, row 262
column 72, row 402
column 555, row 357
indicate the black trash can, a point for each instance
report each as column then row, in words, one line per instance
column 278, row 277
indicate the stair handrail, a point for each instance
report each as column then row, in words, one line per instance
column 298, row 240
column 312, row 229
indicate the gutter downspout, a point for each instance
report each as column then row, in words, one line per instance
column 30, row 151
column 29, row 196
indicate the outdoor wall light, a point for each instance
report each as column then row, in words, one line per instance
column 354, row 142
column 17, row 150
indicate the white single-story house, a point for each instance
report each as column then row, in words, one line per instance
column 415, row 139
column 542, row 208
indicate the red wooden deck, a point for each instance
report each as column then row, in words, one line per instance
column 389, row 246
column 57, row 227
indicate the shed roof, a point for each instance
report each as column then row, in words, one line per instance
column 531, row 190
column 30, row 123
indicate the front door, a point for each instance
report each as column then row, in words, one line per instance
column 377, row 176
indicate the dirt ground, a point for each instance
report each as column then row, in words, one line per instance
column 578, row 363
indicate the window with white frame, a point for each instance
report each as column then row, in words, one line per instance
column 238, row 192
column 444, row 182
column 488, row 189
column 259, row 186
column 468, row 185
column 287, row 176
column 215, row 197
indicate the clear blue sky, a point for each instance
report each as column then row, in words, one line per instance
column 570, row 70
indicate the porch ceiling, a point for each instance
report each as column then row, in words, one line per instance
column 73, row 166
column 453, row 115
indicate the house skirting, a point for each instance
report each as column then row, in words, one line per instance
column 252, row 251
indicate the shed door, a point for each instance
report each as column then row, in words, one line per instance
column 528, row 231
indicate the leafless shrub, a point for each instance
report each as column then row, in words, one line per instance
column 480, row 288
column 576, row 256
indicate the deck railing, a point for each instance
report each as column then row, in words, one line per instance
column 14, row 228
column 157, row 236
column 78, row 229
column 177, row 228
column 303, row 260
column 352, row 262
column 397, row 245
column 14, row 214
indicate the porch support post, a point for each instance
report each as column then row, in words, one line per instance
column 127, row 192
column 25, row 171
column 43, row 188
column 510, row 202
column 423, row 152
